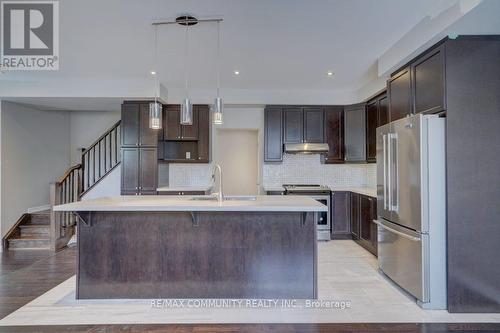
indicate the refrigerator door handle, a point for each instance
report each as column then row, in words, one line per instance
column 394, row 231
column 389, row 171
column 394, row 176
column 384, row 163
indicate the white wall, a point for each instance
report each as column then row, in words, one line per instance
column 34, row 153
column 86, row 127
column 108, row 187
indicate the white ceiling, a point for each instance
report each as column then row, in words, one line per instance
column 275, row 44
column 285, row 45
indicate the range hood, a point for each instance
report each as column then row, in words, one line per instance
column 306, row 148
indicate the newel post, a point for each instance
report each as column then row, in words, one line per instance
column 53, row 195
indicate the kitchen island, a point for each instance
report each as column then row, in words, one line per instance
column 196, row 247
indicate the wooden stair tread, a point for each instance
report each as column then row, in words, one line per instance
column 28, row 238
column 33, row 226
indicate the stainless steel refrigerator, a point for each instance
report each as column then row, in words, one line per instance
column 411, row 206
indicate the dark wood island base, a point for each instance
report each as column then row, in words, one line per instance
column 148, row 254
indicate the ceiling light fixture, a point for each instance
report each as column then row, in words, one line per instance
column 186, row 107
column 218, row 106
column 155, row 108
column 236, row 72
column 329, row 73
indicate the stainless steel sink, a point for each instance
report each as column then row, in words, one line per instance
column 204, row 198
column 241, row 197
column 229, row 198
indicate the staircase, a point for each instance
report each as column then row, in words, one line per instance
column 53, row 230
column 34, row 233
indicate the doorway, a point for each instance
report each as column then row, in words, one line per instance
column 237, row 154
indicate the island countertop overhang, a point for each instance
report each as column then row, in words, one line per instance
column 168, row 203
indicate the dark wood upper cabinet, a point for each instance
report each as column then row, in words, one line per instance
column 334, row 134
column 428, row 82
column 293, row 121
column 185, row 143
column 172, row 128
column 399, row 89
column 355, row 133
column 273, row 134
column 135, row 126
column 203, row 114
column 383, row 110
column 190, row 132
column 341, row 215
column 314, row 119
column 171, row 122
column 371, row 127
column 130, row 171
column 148, row 166
column 147, row 136
column 130, row 123
column 376, row 115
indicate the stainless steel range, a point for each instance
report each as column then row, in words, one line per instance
column 320, row 193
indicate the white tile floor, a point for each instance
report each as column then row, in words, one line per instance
column 346, row 272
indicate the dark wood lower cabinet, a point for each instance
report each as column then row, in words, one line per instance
column 341, row 215
column 355, row 209
column 367, row 228
column 139, row 171
column 352, row 218
column 197, row 255
column 182, row 193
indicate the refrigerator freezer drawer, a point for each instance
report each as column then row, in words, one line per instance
column 401, row 256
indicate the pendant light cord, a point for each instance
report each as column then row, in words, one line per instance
column 157, row 79
column 186, row 56
column 218, row 58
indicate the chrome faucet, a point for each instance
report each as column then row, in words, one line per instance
column 219, row 195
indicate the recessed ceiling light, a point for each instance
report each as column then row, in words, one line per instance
column 153, row 73
column 329, row 73
column 236, row 72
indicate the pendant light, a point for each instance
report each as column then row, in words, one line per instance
column 155, row 108
column 218, row 106
column 186, row 107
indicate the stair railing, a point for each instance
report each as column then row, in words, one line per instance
column 101, row 157
column 97, row 161
column 65, row 190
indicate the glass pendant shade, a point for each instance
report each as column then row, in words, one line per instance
column 155, row 115
column 217, row 111
column 186, row 112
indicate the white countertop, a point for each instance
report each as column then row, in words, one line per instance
column 166, row 203
column 369, row 191
column 276, row 188
column 205, row 188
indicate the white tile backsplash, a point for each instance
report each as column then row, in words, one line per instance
column 308, row 169
column 189, row 174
